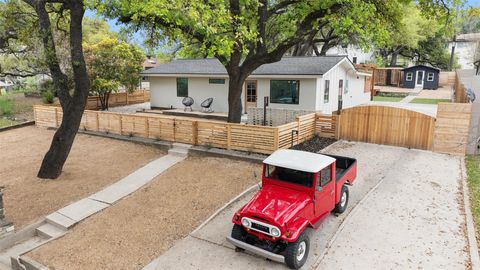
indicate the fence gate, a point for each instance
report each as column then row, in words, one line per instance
column 387, row 125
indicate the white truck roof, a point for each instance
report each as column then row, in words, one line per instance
column 299, row 160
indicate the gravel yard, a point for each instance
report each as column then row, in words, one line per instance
column 93, row 163
column 139, row 228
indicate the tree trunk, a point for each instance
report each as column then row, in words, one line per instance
column 62, row 141
column 393, row 59
column 72, row 105
column 235, row 87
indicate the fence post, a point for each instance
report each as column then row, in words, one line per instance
column 194, row 132
column 298, row 130
column 337, row 120
column 97, row 121
column 126, row 95
column 276, row 131
column 147, row 128
column 229, row 136
column 120, row 124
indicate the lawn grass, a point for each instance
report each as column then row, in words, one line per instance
column 390, row 99
column 6, row 105
column 429, row 100
column 5, row 122
column 473, row 172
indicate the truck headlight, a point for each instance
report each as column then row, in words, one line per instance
column 275, row 232
column 245, row 223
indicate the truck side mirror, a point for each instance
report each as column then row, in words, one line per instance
column 319, row 188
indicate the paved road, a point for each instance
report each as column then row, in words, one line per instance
column 412, row 220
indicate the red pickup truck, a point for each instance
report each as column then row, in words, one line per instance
column 299, row 190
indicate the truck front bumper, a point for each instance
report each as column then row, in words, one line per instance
column 256, row 250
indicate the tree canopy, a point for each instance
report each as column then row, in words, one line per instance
column 244, row 35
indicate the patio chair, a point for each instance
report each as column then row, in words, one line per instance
column 188, row 102
column 207, row 105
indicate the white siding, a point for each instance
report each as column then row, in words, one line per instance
column 355, row 95
column 163, row 93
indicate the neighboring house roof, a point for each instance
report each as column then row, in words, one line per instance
column 317, row 65
column 150, row 63
column 427, row 67
column 468, row 37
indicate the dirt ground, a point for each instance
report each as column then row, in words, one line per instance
column 93, row 163
column 139, row 228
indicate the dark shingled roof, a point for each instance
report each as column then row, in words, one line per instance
column 428, row 67
column 287, row 66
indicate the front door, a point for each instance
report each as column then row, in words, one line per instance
column 324, row 192
column 420, row 79
column 250, row 94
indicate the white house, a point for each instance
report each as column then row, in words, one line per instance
column 354, row 53
column 304, row 83
column 467, row 46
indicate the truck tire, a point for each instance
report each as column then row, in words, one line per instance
column 296, row 253
column 341, row 206
column 238, row 232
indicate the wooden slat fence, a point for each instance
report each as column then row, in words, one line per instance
column 373, row 124
column 387, row 125
column 460, row 91
column 119, row 99
column 452, row 128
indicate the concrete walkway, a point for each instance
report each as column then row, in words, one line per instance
column 411, row 219
column 59, row 222
column 408, row 98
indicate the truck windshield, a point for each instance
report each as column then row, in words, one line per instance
column 289, row 175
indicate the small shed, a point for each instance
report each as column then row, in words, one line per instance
column 423, row 77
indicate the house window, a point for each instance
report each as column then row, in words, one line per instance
column 326, row 93
column 284, row 91
column 409, row 76
column 355, row 60
column 216, row 81
column 182, row 87
column 251, row 91
column 430, row 76
column 346, row 87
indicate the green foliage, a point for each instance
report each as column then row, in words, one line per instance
column 47, row 97
column 388, row 99
column 473, row 172
column 95, row 30
column 111, row 64
column 429, row 100
column 6, row 105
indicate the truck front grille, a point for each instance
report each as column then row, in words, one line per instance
column 260, row 227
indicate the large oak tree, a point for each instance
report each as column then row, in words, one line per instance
column 246, row 34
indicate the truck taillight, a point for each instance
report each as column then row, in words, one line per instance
column 237, row 217
column 288, row 234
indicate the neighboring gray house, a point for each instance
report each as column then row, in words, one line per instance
column 423, row 77
column 303, row 83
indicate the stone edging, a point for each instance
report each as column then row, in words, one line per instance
column 29, row 123
column 471, row 237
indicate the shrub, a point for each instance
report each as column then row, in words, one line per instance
column 6, row 106
column 47, row 97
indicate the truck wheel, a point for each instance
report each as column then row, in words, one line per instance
column 341, row 206
column 296, row 253
column 238, row 233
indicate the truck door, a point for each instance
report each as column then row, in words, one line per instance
column 325, row 192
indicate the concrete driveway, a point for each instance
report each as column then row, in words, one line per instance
column 411, row 218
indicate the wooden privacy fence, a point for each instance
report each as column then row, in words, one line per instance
column 387, row 125
column 119, row 99
column 250, row 138
column 460, row 91
column 452, row 128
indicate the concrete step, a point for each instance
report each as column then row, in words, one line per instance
column 181, row 145
column 181, row 152
column 60, row 221
column 48, row 231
